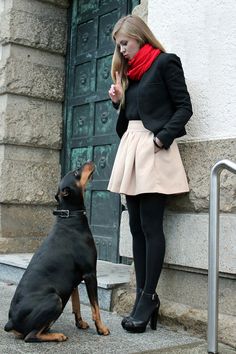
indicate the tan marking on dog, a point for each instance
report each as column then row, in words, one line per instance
column 51, row 337
column 40, row 336
column 17, row 334
column 101, row 328
column 80, row 323
column 85, row 175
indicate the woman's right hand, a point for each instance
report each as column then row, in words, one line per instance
column 116, row 90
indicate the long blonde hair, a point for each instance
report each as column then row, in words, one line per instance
column 131, row 26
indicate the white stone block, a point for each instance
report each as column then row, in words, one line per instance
column 187, row 240
column 193, row 30
column 125, row 246
column 2, row 5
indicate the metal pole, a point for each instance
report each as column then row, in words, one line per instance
column 213, row 253
column 213, row 256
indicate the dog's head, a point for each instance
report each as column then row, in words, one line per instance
column 72, row 186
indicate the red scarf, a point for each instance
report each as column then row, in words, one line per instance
column 142, row 61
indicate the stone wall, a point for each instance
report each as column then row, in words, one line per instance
column 32, row 74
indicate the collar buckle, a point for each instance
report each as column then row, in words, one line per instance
column 62, row 213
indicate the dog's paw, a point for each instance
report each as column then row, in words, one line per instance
column 45, row 337
column 61, row 337
column 81, row 324
column 103, row 331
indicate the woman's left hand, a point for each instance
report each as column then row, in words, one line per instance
column 158, row 145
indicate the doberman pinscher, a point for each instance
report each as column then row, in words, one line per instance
column 66, row 257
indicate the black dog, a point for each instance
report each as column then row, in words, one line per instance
column 65, row 258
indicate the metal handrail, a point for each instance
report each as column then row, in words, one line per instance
column 213, row 252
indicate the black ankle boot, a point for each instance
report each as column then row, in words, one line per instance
column 138, row 295
column 147, row 310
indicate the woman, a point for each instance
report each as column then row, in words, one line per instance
column 150, row 91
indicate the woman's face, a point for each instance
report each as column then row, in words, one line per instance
column 128, row 46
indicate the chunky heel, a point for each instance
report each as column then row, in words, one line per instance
column 153, row 320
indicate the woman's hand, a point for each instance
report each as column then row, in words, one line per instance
column 116, row 90
column 157, row 144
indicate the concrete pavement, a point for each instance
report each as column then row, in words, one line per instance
column 164, row 340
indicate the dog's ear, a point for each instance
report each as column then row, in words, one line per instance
column 65, row 192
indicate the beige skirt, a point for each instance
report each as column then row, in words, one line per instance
column 138, row 168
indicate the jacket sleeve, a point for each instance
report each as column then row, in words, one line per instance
column 174, row 79
column 122, row 123
column 116, row 105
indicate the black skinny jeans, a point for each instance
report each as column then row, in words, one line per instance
column 146, row 225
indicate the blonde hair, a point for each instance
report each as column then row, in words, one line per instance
column 134, row 27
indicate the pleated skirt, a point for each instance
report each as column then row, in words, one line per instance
column 139, row 168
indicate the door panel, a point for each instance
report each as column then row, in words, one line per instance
column 90, row 119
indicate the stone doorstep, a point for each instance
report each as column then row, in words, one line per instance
column 110, row 276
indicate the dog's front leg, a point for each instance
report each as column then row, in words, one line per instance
column 91, row 286
column 76, row 310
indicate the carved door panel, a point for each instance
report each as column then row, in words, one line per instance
column 90, row 120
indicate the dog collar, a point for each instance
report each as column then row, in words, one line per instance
column 63, row 213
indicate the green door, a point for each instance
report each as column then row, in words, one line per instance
column 90, row 120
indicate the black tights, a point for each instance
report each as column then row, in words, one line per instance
column 146, row 226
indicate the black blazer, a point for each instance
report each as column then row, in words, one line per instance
column 164, row 104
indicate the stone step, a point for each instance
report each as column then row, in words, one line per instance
column 110, row 276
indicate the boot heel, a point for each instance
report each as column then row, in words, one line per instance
column 153, row 320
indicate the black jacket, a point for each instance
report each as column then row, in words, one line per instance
column 164, row 104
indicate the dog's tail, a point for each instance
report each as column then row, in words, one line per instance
column 9, row 326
